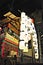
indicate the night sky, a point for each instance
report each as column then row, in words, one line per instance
column 23, row 5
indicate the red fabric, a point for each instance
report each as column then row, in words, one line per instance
column 2, row 50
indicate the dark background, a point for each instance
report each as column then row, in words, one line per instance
column 24, row 5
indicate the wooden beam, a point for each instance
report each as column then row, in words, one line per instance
column 13, row 29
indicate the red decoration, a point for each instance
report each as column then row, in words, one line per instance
column 32, row 20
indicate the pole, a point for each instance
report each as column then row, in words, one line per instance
column 39, row 46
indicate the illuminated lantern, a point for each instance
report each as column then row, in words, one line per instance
column 27, row 31
column 0, row 29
